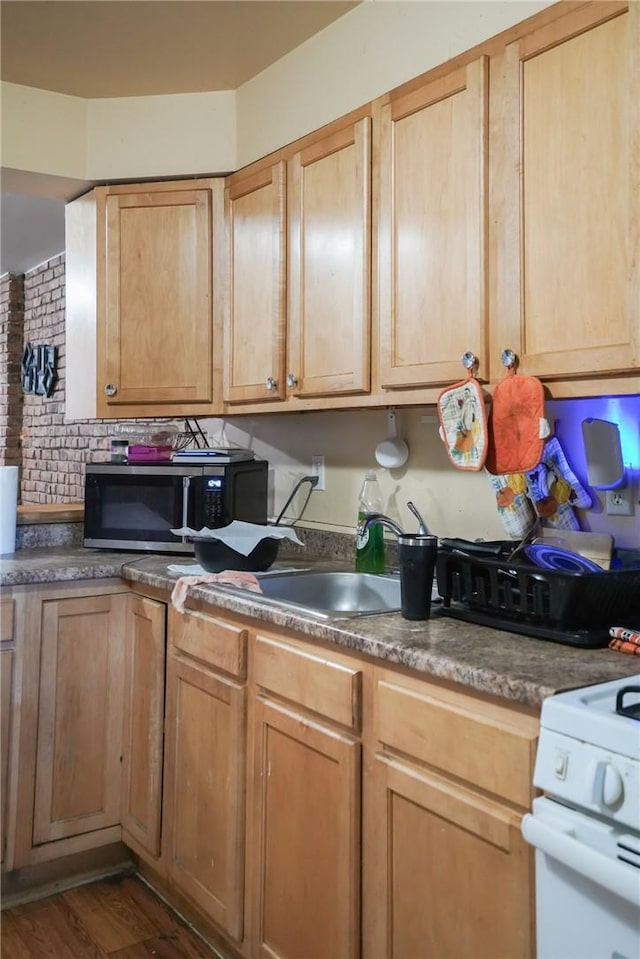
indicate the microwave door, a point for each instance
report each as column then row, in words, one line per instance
column 134, row 510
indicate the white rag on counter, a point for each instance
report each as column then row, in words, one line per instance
column 242, row 537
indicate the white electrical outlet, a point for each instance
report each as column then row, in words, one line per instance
column 317, row 469
column 620, row 501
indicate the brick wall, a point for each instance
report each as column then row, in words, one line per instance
column 53, row 451
column 11, row 338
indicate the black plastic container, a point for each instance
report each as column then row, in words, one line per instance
column 576, row 609
column 417, row 561
column 215, row 556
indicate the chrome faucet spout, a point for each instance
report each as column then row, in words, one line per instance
column 383, row 520
column 422, row 528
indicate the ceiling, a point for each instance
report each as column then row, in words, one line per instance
column 125, row 48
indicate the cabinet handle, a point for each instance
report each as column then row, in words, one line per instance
column 110, row 389
column 271, row 384
column 292, row 379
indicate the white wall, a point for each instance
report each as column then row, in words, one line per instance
column 369, row 51
column 164, row 136
column 43, row 132
column 123, row 138
column 453, row 503
column 372, row 49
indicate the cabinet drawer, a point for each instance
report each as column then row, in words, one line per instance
column 485, row 744
column 213, row 641
column 6, row 620
column 330, row 688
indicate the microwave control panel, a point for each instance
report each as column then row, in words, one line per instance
column 213, row 500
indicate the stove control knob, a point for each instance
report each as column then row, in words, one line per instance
column 608, row 787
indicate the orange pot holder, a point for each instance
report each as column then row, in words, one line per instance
column 463, row 423
column 517, row 425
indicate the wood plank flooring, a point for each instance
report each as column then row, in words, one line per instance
column 118, row 918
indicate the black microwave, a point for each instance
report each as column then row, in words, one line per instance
column 136, row 506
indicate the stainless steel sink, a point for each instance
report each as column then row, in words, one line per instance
column 332, row 593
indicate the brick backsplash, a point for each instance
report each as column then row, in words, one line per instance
column 34, row 434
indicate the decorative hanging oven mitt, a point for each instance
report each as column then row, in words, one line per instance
column 515, row 510
column 517, row 425
column 555, row 489
column 463, row 423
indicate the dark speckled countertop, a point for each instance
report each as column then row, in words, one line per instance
column 517, row 668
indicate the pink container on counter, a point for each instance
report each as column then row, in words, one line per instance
column 150, row 454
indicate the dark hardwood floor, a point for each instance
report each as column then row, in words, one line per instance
column 119, row 918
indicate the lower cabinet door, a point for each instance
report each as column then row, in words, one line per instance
column 447, row 873
column 79, row 732
column 143, row 722
column 204, row 796
column 7, row 657
column 307, row 808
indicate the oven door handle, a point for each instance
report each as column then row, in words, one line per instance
column 583, row 859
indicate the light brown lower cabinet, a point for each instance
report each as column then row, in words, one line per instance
column 66, row 734
column 143, row 724
column 7, row 707
column 205, row 766
column 447, row 874
column 79, row 709
column 306, row 802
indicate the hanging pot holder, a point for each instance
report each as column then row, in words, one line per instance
column 463, row 423
column 517, row 425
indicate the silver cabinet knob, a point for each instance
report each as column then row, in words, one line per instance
column 469, row 361
column 508, row 358
column 110, row 389
column 271, row 384
column 292, row 379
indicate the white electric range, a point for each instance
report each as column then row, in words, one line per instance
column 586, row 828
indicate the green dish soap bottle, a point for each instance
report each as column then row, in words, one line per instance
column 370, row 544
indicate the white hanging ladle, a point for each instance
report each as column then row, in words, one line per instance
column 392, row 452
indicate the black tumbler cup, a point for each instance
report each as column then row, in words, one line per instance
column 417, row 557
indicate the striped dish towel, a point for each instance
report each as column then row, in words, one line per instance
column 625, row 640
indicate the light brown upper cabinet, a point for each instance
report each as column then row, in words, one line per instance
column 158, row 335
column 328, row 341
column 432, row 196
column 254, row 352
column 144, row 300
column 299, row 275
column 565, row 137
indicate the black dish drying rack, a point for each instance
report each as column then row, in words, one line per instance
column 576, row 609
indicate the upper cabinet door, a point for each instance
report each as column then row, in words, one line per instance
column 329, row 262
column 431, row 230
column 256, row 318
column 565, row 198
column 158, row 340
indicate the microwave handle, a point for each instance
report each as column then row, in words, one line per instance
column 186, row 489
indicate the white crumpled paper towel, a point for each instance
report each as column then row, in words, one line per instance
column 243, row 537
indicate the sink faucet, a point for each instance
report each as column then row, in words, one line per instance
column 392, row 525
column 383, row 520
